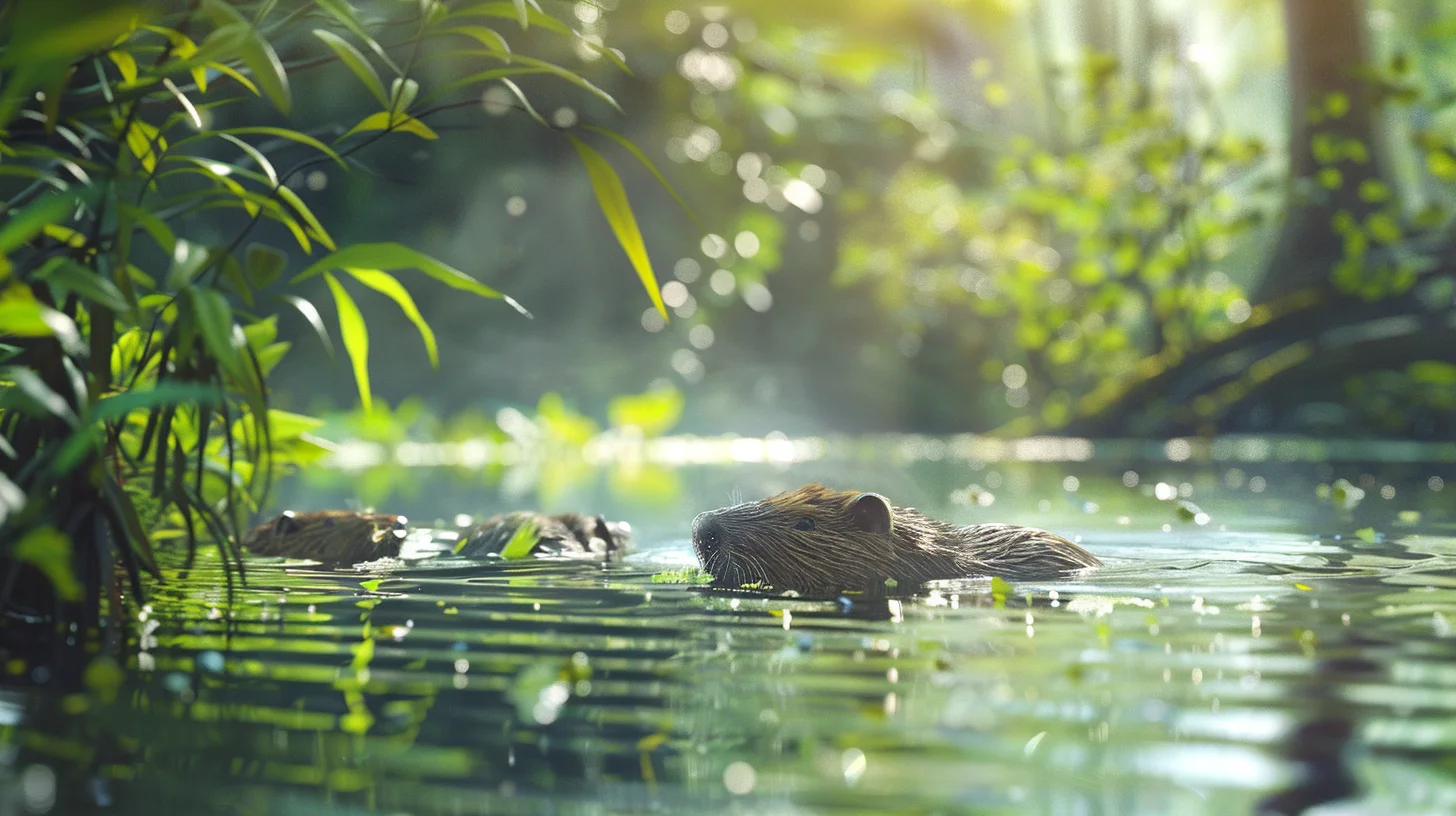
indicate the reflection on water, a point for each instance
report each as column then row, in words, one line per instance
column 1288, row 651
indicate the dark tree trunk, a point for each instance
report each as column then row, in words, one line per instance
column 1325, row 40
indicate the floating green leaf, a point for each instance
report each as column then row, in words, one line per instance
column 521, row 543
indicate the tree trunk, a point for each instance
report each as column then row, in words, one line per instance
column 1325, row 40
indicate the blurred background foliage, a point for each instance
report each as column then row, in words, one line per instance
column 1107, row 217
column 1090, row 217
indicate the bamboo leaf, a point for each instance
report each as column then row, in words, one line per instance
column 390, row 256
column 355, row 335
column 488, row 37
column 612, row 197
column 154, row 226
column 188, row 259
column 402, row 93
column 20, row 226
column 525, row 103
column 70, row 276
column 387, row 285
column 31, row 395
column 471, row 79
column 49, row 551
column 311, row 314
column 256, row 155
column 642, row 157
column 257, row 54
column 125, row 65
column 397, row 122
column 183, row 48
column 308, row 217
column 354, row 61
column 12, row 498
column 215, row 322
column 170, row 392
column 263, row 264
column 344, row 13
column 282, row 133
column 24, row 316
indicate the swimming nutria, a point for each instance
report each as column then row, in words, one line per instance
column 823, row 541
column 342, row 537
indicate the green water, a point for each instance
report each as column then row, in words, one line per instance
column 1287, row 650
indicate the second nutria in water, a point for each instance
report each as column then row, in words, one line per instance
column 823, row 541
column 342, row 537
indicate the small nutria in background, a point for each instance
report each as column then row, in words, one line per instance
column 823, row 541
column 336, row 537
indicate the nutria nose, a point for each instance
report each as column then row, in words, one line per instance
column 707, row 535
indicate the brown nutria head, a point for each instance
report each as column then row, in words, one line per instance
column 819, row 540
column 330, row 536
column 561, row 534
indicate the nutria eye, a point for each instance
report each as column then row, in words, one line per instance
column 805, row 523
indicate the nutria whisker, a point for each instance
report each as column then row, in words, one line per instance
column 818, row 540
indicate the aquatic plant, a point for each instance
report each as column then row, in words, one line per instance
column 139, row 305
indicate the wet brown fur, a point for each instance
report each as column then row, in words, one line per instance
column 849, row 549
column 330, row 536
column 342, row 537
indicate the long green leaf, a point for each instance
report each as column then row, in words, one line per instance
column 471, row 79
column 642, row 157
column 48, row 550
column 71, row 276
column 314, row 225
column 22, row 225
column 154, row 226
column 384, row 120
column 354, row 61
column 570, row 76
column 488, row 37
column 390, row 256
column 24, row 316
column 170, row 392
column 341, row 11
column 257, row 54
column 525, row 103
column 311, row 314
column 282, row 133
column 215, row 322
column 12, row 498
column 612, row 197
column 33, row 396
column 355, row 335
column 386, row 284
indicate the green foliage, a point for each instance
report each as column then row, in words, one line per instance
column 138, row 315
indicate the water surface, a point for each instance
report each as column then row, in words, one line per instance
column 1262, row 647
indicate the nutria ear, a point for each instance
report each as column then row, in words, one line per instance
column 871, row 513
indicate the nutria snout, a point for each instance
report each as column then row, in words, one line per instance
column 823, row 541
